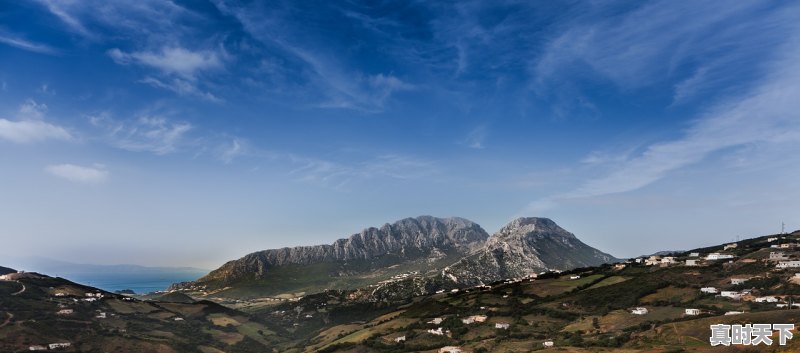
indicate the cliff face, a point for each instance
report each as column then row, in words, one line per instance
column 407, row 239
column 525, row 246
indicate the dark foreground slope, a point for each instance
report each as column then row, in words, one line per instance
column 37, row 310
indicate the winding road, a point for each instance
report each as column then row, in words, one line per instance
column 21, row 290
column 8, row 320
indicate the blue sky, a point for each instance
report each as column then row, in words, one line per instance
column 193, row 132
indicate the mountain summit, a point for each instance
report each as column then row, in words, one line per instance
column 526, row 246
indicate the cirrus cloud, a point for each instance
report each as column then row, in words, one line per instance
column 79, row 174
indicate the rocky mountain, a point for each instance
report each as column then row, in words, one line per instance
column 523, row 247
column 409, row 245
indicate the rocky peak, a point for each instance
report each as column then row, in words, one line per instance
column 533, row 225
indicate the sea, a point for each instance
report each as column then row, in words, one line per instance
column 140, row 283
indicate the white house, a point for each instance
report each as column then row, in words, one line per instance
column 436, row 321
column 178, row 319
column 730, row 246
column 718, row 256
column 766, row 300
column 639, row 311
column 694, row 254
column 501, row 325
column 735, row 281
column 437, row 332
column 653, row 260
column 37, row 348
column 59, row 345
column 731, row 294
column 709, row 290
column 769, row 240
column 60, row 294
column 788, row 264
column 101, row 315
column 782, row 305
column 474, row 319
column 548, row 343
column 400, row 339
column 777, row 256
column 692, row 262
column 692, row 311
column 668, row 260
column 65, row 312
column 575, row 277
column 450, row 349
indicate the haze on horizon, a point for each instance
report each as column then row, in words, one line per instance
column 189, row 133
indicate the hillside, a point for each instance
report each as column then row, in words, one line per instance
column 37, row 310
column 6, row 270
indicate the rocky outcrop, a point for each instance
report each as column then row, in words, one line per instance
column 523, row 247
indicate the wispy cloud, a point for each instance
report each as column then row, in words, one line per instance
column 328, row 76
column 765, row 115
column 227, row 152
column 62, row 10
column 171, row 60
column 79, row 174
column 147, row 133
column 31, row 127
column 656, row 43
column 24, row 44
column 341, row 175
column 182, row 87
column 157, row 19
column 476, row 137
column 28, row 131
column 179, row 68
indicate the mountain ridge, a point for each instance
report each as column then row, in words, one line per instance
column 427, row 246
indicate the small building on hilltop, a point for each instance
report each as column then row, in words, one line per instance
column 692, row 312
column 718, row 256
